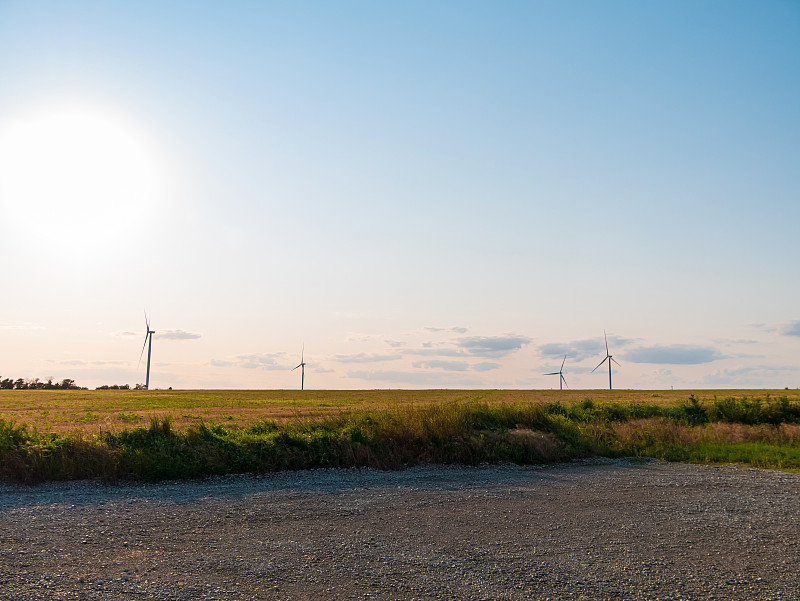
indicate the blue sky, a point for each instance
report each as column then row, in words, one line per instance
column 431, row 194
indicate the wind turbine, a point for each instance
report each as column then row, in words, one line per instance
column 148, row 342
column 302, row 367
column 608, row 358
column 560, row 373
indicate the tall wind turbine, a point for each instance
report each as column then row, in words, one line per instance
column 148, row 342
column 302, row 367
column 608, row 358
column 560, row 373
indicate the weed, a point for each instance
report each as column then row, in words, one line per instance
column 129, row 417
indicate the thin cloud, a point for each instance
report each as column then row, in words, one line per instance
column 752, row 376
column 23, row 326
column 81, row 363
column 265, row 361
column 762, row 370
column 485, row 366
column 221, row 363
column 365, row 358
column 431, row 350
column 675, row 354
column 434, row 379
column 443, row 365
column 578, row 350
column 395, row 343
column 176, row 335
column 455, row 329
column 492, row 346
column 359, row 338
column 126, row 334
column 791, row 329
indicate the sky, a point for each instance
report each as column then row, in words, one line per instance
column 410, row 194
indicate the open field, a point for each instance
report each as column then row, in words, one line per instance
column 91, row 411
column 132, row 435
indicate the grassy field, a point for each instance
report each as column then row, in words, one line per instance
column 111, row 435
column 91, row 411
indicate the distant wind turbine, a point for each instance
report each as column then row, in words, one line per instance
column 148, row 342
column 608, row 358
column 302, row 367
column 560, row 373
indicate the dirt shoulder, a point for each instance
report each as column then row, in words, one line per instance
column 594, row 531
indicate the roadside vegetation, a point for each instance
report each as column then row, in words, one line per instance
column 462, row 427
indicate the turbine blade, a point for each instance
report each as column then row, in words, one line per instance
column 614, row 360
column 563, row 379
column 294, row 368
column 555, row 373
column 606, row 337
column 603, row 361
column 143, row 347
column 563, row 362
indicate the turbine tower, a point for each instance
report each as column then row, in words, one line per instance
column 560, row 373
column 608, row 358
column 148, row 342
column 302, row 367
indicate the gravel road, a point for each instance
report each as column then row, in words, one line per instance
column 591, row 530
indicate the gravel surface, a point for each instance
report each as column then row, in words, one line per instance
column 589, row 530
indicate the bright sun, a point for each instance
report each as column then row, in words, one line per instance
column 77, row 170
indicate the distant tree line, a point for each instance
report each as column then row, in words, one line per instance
column 37, row 384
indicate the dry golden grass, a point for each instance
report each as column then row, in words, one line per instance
column 639, row 430
column 89, row 411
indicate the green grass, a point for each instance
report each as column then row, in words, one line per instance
column 465, row 429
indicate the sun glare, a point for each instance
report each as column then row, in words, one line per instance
column 76, row 171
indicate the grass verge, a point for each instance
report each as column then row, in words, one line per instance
column 761, row 432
